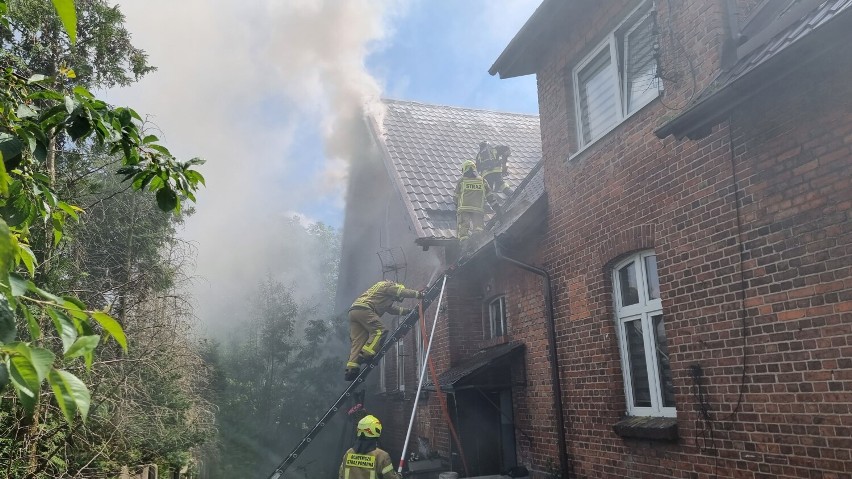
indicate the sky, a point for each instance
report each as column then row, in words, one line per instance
column 271, row 92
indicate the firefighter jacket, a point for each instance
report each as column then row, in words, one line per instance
column 381, row 296
column 493, row 160
column 375, row 464
column 470, row 194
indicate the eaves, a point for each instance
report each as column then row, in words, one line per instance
column 524, row 52
column 697, row 121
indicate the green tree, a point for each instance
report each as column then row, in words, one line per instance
column 149, row 406
column 59, row 150
column 50, row 336
column 282, row 364
column 34, row 41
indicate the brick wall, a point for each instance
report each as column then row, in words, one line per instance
column 752, row 231
column 775, row 180
column 375, row 219
column 453, row 343
column 535, row 427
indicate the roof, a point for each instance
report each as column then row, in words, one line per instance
column 528, row 193
column 424, row 146
column 477, row 363
column 796, row 23
column 800, row 35
column 524, row 52
column 527, row 198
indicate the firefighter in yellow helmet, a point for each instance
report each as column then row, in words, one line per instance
column 471, row 192
column 492, row 164
column 365, row 460
column 365, row 327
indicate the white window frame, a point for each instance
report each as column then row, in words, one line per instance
column 503, row 320
column 400, row 364
column 419, row 346
column 383, row 387
column 644, row 310
column 615, row 38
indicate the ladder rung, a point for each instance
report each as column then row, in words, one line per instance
column 404, row 325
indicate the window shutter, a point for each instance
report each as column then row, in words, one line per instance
column 598, row 96
column 640, row 65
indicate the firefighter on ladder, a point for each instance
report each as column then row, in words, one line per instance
column 365, row 327
column 492, row 165
column 471, row 192
column 365, row 460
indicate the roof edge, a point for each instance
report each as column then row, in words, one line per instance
column 456, row 107
column 697, row 120
column 516, row 49
column 396, row 180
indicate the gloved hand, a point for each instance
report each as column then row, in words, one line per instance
column 421, row 293
column 405, row 312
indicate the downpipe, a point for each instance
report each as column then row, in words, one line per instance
column 555, row 382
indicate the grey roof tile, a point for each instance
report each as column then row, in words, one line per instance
column 425, row 146
column 810, row 22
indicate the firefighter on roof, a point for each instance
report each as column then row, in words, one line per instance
column 491, row 163
column 471, row 191
column 365, row 327
column 365, row 460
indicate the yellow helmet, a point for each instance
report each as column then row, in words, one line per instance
column 370, row 426
column 468, row 165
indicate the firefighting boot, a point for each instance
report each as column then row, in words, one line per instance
column 352, row 370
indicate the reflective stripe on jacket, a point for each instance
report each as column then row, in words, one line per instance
column 381, row 296
column 375, row 464
column 470, row 194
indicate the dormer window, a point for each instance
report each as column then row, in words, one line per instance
column 617, row 78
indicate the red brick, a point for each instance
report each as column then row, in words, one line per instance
column 630, row 192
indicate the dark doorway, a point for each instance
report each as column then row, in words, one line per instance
column 486, row 429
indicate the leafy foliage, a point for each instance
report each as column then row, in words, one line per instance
column 125, row 365
column 34, row 42
column 32, row 115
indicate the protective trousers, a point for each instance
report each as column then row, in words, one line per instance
column 496, row 183
column 365, row 332
column 469, row 222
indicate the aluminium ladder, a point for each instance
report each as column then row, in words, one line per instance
column 405, row 325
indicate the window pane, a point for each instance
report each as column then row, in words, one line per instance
column 629, row 289
column 638, row 367
column 640, row 65
column 502, row 317
column 652, row 279
column 598, row 96
column 497, row 316
column 666, row 382
column 400, row 364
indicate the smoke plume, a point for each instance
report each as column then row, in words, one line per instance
column 272, row 93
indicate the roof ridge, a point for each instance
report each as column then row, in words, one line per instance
column 482, row 110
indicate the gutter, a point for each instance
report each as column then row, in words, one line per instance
column 555, row 382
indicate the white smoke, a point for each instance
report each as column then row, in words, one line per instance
column 240, row 84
